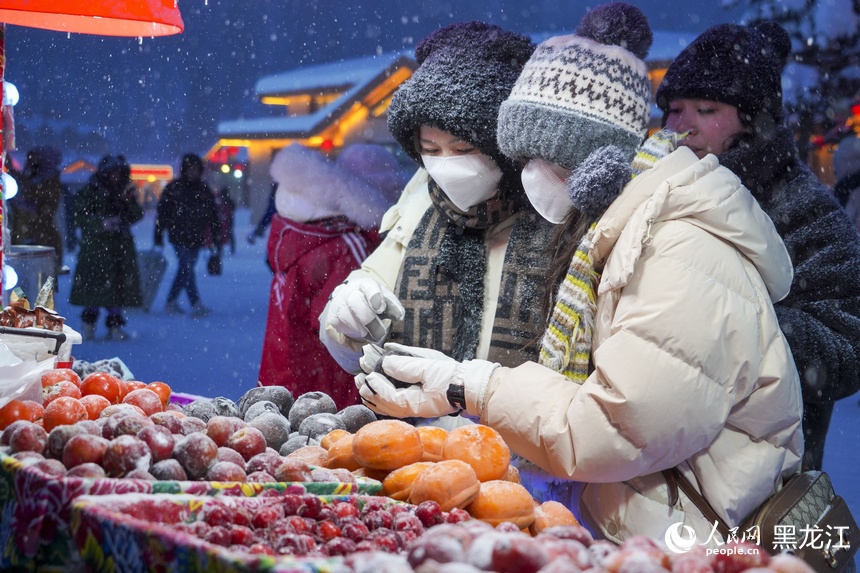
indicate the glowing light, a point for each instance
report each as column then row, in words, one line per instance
column 225, row 168
column 10, row 277
column 237, row 174
column 10, row 94
column 10, row 186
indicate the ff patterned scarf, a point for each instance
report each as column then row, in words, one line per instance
column 441, row 283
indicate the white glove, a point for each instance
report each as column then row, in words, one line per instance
column 372, row 354
column 364, row 308
column 429, row 380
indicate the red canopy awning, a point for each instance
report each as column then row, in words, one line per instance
column 102, row 17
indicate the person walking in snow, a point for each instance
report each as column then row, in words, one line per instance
column 33, row 212
column 662, row 348
column 188, row 213
column 725, row 89
column 462, row 266
column 324, row 227
column 106, row 274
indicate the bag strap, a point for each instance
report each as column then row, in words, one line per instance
column 675, row 480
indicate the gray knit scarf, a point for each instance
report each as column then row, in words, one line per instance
column 441, row 283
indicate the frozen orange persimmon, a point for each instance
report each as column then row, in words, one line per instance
column 103, row 384
column 12, row 411
column 550, row 514
column 450, row 483
column 62, row 412
column 94, row 405
column 387, row 445
column 481, row 447
column 398, row 484
column 163, row 391
column 145, row 399
column 499, row 501
column 432, row 439
column 55, row 375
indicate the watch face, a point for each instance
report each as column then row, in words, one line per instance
column 457, row 396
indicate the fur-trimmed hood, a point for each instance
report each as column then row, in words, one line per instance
column 305, row 172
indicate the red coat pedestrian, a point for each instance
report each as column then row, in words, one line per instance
column 325, row 226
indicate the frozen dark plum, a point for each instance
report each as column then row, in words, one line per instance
column 140, row 474
column 308, row 404
column 356, row 417
column 123, row 454
column 59, row 436
column 291, row 469
column 323, row 475
column 160, row 441
column 248, row 441
column 87, row 470
column 202, row 408
column 266, row 461
column 343, row 475
column 83, row 449
column 219, row 428
column 226, row 471
column 197, row 453
column 318, row 425
column 225, row 407
column 275, row 428
column 28, row 457
column 282, row 397
column 51, row 467
column 10, row 429
column 260, row 477
column 168, row 470
column 226, row 454
column 131, row 425
column 29, row 438
column 440, row 549
column 339, row 546
column 294, row 443
column 192, row 425
column 168, row 420
column 259, row 408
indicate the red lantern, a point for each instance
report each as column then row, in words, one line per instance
column 103, row 17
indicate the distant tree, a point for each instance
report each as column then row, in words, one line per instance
column 823, row 75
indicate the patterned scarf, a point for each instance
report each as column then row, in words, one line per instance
column 441, row 283
column 566, row 344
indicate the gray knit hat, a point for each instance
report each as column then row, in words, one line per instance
column 584, row 97
column 466, row 70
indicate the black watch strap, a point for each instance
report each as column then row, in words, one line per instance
column 457, row 396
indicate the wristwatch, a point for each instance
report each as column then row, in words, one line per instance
column 456, row 395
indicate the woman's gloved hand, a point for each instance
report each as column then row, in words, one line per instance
column 364, row 308
column 429, row 383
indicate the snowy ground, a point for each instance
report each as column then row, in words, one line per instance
column 219, row 355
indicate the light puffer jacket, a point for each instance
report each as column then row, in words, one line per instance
column 384, row 265
column 691, row 369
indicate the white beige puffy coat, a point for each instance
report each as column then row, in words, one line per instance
column 691, row 369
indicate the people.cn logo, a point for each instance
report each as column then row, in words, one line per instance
column 680, row 538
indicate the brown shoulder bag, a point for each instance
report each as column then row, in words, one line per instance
column 805, row 518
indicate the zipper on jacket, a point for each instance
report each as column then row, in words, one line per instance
column 646, row 240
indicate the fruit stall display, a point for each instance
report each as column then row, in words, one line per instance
column 128, row 437
column 114, row 475
column 283, row 533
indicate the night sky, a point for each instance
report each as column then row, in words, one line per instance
column 156, row 98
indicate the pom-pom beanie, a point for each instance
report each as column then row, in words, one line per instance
column 466, row 70
column 584, row 97
column 737, row 65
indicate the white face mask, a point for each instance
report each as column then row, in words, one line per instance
column 544, row 183
column 467, row 180
column 297, row 208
